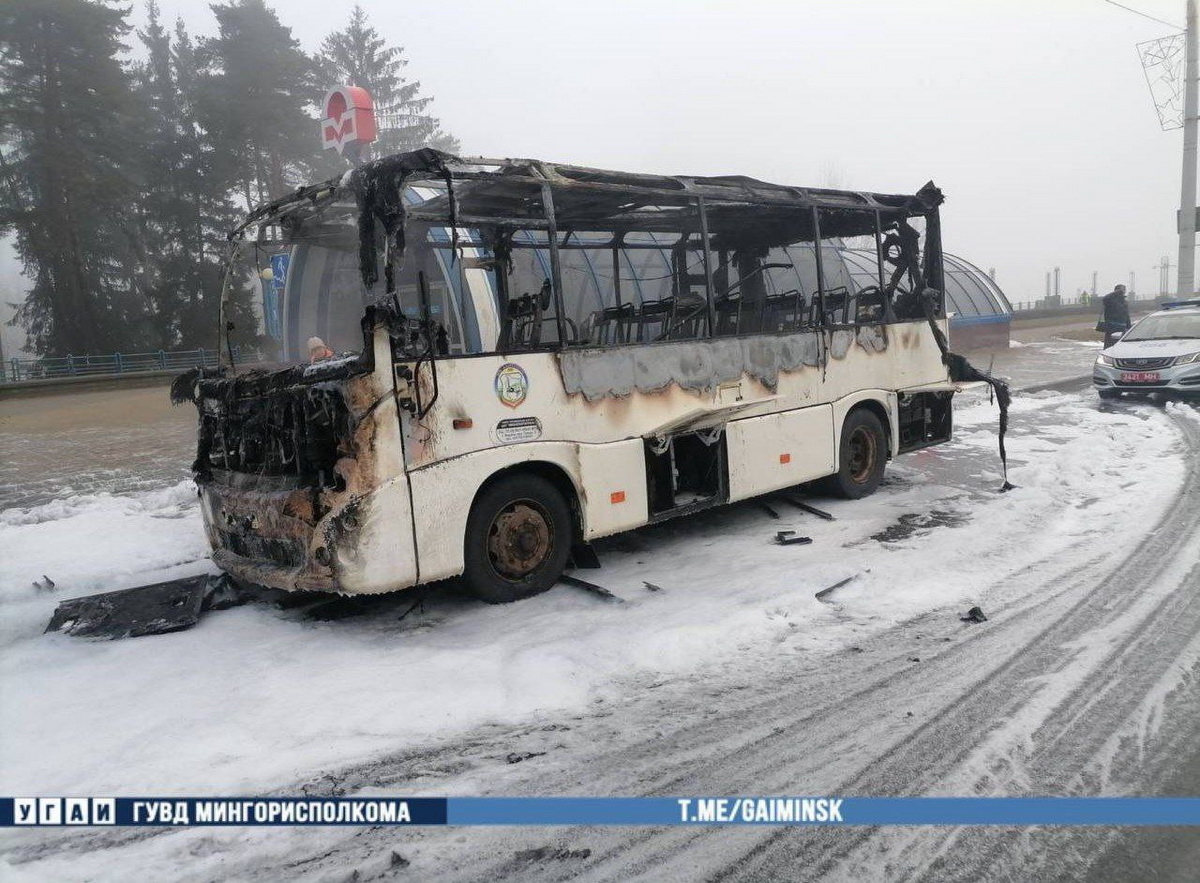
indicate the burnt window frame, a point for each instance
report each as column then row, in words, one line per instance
column 784, row 228
column 813, row 201
column 684, row 232
column 851, row 310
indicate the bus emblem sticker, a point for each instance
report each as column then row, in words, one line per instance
column 512, row 384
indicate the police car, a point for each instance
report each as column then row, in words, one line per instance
column 1161, row 353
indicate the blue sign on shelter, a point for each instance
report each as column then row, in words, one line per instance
column 273, row 295
column 279, row 268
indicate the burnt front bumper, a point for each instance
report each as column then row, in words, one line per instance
column 306, row 540
column 267, row 537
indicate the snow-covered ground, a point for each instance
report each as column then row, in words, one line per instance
column 257, row 699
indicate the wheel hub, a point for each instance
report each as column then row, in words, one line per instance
column 520, row 540
column 863, row 451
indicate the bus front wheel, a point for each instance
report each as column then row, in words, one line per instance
column 862, row 456
column 518, row 539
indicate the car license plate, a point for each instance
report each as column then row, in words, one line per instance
column 1139, row 377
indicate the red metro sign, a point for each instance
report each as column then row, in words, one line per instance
column 349, row 119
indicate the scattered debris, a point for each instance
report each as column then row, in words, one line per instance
column 591, row 587
column 420, row 602
column 222, row 593
column 908, row 714
column 159, row 608
column 46, row 585
column 813, row 510
column 914, row 659
column 789, row 538
column 398, row 861
column 517, row 757
column 962, row 370
column 584, row 557
column 328, row 785
column 975, row 614
column 130, row 613
column 914, row 523
column 763, row 505
column 826, row 592
column 651, row 586
column 543, row 853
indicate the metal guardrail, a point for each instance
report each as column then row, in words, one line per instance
column 115, row 363
column 1054, row 303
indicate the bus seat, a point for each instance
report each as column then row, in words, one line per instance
column 838, row 303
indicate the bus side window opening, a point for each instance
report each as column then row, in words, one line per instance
column 852, row 289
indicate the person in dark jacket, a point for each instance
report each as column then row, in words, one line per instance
column 1114, row 321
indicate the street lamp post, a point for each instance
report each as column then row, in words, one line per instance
column 1187, row 197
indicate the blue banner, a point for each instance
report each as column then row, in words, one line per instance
column 273, row 295
column 823, row 811
column 626, row 811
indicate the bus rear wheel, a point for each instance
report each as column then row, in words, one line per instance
column 518, row 539
column 862, row 456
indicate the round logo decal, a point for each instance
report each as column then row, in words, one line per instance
column 512, row 384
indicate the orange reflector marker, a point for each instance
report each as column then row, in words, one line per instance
column 463, row 422
column 785, row 458
column 617, row 497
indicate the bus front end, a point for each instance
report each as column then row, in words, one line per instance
column 301, row 477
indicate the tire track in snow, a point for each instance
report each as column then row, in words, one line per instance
column 1076, row 729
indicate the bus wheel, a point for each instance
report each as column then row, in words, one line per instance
column 518, row 539
column 862, row 456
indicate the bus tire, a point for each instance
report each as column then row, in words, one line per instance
column 518, row 538
column 862, row 456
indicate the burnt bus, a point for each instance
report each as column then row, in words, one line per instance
column 527, row 356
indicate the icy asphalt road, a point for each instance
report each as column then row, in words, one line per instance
column 1086, row 680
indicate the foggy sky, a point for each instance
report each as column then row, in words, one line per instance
column 1033, row 117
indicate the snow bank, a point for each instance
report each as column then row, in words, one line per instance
column 256, row 698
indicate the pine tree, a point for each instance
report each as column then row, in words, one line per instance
column 359, row 56
column 70, row 161
column 253, row 90
column 185, row 208
column 155, row 87
column 202, row 173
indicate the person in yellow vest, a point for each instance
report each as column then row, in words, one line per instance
column 317, row 351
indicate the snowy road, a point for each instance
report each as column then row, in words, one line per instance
column 1085, row 680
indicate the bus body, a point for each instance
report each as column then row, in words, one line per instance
column 534, row 356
